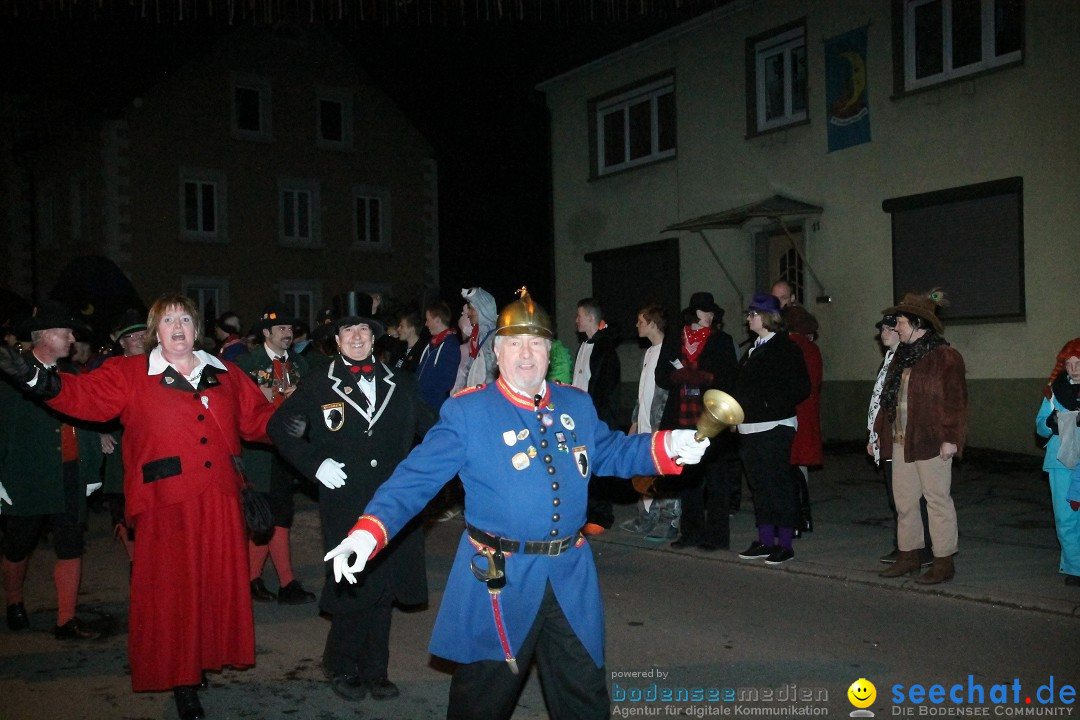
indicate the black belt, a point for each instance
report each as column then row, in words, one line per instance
column 551, row 548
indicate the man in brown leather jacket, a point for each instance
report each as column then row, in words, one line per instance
column 924, row 411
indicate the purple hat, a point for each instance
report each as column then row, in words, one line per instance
column 763, row 302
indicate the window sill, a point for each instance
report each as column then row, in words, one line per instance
column 200, row 239
column 630, row 168
column 772, row 131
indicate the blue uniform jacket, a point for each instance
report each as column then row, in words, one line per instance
column 526, row 474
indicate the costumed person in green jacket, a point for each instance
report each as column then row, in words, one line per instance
column 276, row 370
column 40, row 480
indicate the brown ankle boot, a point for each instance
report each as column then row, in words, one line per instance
column 907, row 561
column 941, row 571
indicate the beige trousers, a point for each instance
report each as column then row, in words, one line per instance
column 931, row 479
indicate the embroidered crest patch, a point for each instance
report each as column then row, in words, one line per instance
column 581, row 459
column 334, row 416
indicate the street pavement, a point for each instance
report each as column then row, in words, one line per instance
column 1007, row 563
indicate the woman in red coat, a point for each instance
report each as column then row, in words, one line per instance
column 184, row 413
column 806, row 449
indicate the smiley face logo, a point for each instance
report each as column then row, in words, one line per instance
column 862, row 693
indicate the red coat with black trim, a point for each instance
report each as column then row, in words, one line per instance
column 179, row 441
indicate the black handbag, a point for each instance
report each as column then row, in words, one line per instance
column 257, row 516
column 256, row 505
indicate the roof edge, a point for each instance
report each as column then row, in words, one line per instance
column 733, row 7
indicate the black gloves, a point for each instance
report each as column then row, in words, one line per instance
column 296, row 425
column 15, row 366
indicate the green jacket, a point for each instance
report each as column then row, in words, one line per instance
column 262, row 460
column 31, row 468
column 560, row 366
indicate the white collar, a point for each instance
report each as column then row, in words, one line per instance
column 271, row 354
column 158, row 363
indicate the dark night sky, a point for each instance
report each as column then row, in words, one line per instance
column 470, row 90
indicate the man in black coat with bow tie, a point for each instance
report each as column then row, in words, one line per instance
column 359, row 419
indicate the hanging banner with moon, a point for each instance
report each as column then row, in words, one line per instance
column 847, row 105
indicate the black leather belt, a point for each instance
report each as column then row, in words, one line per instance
column 551, row 548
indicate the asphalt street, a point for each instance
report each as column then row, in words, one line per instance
column 707, row 634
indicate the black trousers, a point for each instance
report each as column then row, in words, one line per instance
column 574, row 687
column 599, row 508
column 766, row 457
column 359, row 642
column 282, row 504
column 21, row 533
column 706, row 501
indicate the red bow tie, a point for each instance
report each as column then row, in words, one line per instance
column 365, row 371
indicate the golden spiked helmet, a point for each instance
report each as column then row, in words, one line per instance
column 524, row 317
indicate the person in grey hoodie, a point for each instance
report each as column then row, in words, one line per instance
column 477, row 352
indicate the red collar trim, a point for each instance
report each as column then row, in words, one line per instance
column 518, row 400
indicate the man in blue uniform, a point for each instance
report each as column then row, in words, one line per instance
column 523, row 582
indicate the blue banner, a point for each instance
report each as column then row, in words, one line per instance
column 847, row 104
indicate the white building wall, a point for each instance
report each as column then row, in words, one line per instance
column 1018, row 121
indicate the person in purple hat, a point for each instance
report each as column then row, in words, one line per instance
column 772, row 381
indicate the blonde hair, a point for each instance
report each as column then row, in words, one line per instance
column 161, row 307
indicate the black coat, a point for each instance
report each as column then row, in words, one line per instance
column 371, row 444
column 717, row 358
column 605, row 378
column 772, row 380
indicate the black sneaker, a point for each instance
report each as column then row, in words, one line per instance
column 779, row 556
column 383, row 689
column 757, row 551
column 294, row 594
column 348, row 687
column 17, row 619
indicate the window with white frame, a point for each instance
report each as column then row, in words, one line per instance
column 371, row 217
column 778, row 92
column 301, row 298
column 202, row 205
column 948, row 39
column 251, row 108
column 298, row 210
column 333, row 119
column 211, row 296
column 635, row 126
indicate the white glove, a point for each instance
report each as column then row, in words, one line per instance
column 330, row 473
column 91, row 487
column 683, row 448
column 362, row 544
column 4, row 497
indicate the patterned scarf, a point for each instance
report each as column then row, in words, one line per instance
column 907, row 355
column 690, row 397
column 693, row 344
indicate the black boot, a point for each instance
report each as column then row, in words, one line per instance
column 187, row 702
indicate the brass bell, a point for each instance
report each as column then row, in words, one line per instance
column 721, row 411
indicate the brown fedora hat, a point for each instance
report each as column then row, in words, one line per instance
column 924, row 306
